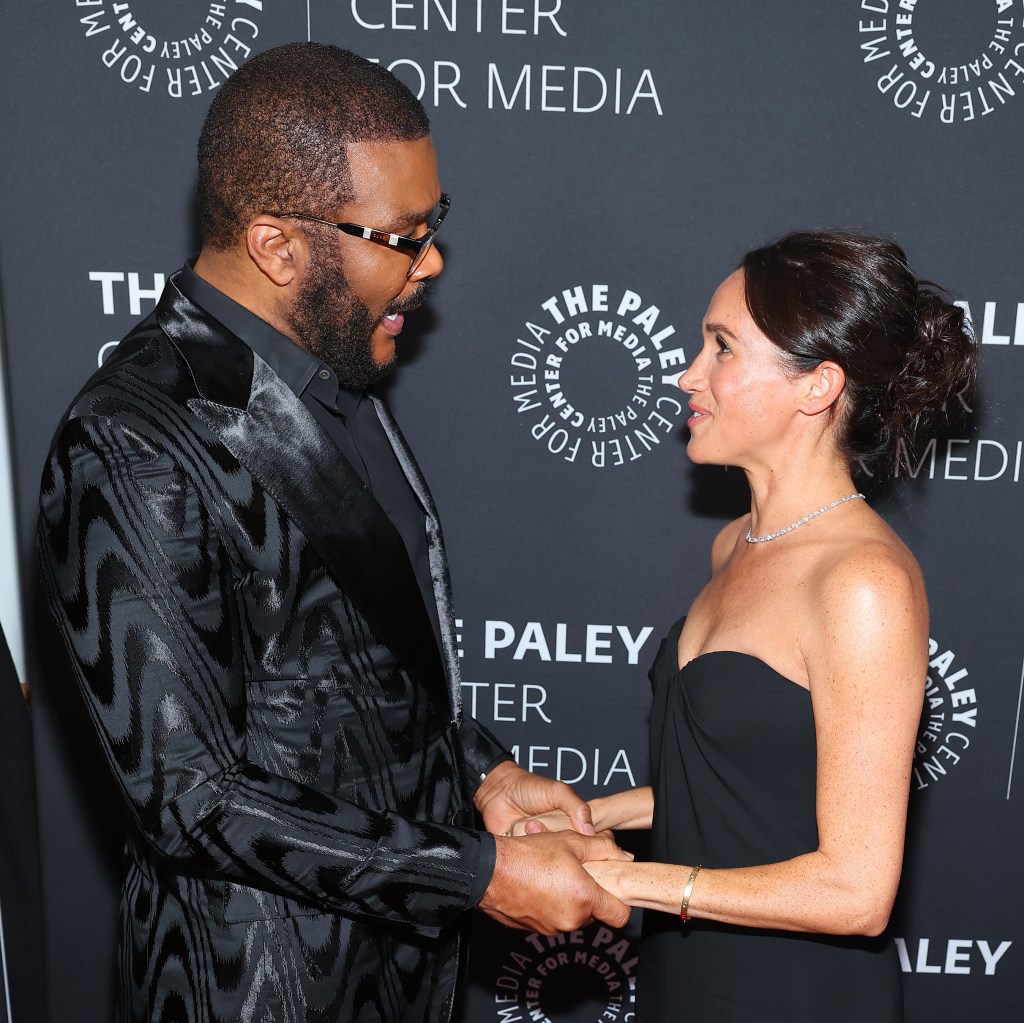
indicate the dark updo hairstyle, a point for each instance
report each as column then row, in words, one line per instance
column 909, row 354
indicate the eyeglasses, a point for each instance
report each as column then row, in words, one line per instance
column 415, row 247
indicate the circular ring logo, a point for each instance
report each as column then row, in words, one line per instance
column 950, row 717
column 585, row 975
column 950, row 60
column 182, row 49
column 594, row 375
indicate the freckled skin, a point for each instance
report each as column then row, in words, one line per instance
column 837, row 606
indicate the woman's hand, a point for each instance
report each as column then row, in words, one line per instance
column 611, row 879
column 646, row 885
column 555, row 820
column 629, row 810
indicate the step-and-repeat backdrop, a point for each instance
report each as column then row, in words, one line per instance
column 609, row 162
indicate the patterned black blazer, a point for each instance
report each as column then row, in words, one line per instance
column 258, row 661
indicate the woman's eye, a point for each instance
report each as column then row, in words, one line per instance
column 722, row 346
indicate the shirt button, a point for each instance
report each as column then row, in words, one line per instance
column 324, row 374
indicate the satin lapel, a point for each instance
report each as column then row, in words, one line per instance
column 279, row 442
column 435, row 550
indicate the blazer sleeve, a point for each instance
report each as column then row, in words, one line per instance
column 140, row 580
column 482, row 751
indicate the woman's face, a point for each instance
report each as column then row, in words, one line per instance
column 741, row 399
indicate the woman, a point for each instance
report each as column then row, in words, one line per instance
column 786, row 707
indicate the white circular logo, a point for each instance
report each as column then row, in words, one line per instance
column 588, row 975
column 950, row 720
column 594, row 374
column 182, row 49
column 945, row 60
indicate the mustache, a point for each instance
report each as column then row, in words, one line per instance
column 411, row 301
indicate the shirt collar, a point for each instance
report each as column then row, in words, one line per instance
column 295, row 365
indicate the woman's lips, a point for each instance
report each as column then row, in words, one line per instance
column 696, row 415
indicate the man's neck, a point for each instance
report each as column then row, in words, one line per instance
column 235, row 275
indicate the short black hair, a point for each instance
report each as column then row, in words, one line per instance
column 275, row 135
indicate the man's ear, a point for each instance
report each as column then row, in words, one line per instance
column 277, row 248
column 825, row 383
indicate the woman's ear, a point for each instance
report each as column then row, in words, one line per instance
column 825, row 383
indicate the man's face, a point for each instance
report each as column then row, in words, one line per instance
column 350, row 304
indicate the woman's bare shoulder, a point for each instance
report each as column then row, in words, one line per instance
column 872, row 558
column 868, row 588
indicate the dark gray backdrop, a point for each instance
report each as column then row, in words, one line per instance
column 604, row 158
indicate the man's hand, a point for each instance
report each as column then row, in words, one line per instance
column 509, row 793
column 539, row 883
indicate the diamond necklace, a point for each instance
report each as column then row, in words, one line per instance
column 806, row 518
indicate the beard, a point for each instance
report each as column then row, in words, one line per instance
column 335, row 325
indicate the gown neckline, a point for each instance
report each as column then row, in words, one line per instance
column 741, row 653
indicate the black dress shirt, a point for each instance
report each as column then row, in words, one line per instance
column 348, row 418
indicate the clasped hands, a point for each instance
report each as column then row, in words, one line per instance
column 548, row 855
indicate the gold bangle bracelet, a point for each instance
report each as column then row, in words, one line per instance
column 684, row 914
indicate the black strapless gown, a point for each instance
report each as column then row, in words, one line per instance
column 733, row 767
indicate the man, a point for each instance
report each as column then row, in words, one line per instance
column 250, row 575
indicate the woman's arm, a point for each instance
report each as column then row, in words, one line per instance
column 631, row 810
column 867, row 662
column 627, row 811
